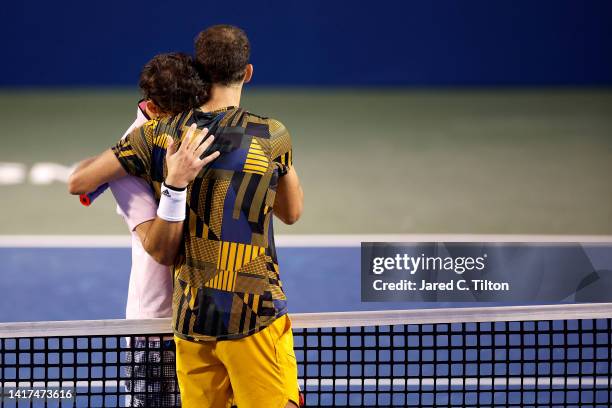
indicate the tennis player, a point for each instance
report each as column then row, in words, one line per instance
column 230, row 320
column 170, row 84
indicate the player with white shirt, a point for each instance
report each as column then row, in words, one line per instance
column 149, row 292
column 150, row 288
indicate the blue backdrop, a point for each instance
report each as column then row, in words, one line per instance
column 318, row 42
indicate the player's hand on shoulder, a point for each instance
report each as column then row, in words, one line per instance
column 185, row 163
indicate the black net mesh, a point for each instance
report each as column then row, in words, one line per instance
column 564, row 363
column 560, row 363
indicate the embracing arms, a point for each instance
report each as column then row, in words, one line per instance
column 160, row 237
column 95, row 171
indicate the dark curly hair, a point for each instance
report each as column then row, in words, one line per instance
column 172, row 82
column 222, row 54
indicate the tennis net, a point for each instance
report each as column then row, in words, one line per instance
column 520, row 356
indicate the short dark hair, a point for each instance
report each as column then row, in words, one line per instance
column 222, row 53
column 172, row 82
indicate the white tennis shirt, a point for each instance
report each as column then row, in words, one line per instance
column 150, row 288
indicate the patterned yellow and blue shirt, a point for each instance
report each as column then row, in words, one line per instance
column 226, row 281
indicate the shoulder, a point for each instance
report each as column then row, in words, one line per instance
column 255, row 116
column 155, row 130
column 172, row 124
column 274, row 126
column 263, row 119
column 148, row 129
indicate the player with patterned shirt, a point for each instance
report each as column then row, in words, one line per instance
column 230, row 246
column 229, row 312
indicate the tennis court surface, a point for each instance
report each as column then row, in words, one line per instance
column 519, row 356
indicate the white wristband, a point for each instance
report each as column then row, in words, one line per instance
column 172, row 204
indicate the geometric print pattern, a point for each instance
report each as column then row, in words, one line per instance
column 227, row 283
column 216, row 209
column 234, row 256
column 256, row 160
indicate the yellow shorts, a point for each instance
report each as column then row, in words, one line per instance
column 256, row 371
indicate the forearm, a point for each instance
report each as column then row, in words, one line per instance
column 75, row 185
column 93, row 172
column 161, row 239
column 289, row 200
column 84, row 163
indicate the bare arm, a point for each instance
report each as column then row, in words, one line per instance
column 289, row 200
column 95, row 171
column 161, row 239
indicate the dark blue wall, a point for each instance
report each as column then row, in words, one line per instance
column 318, row 42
